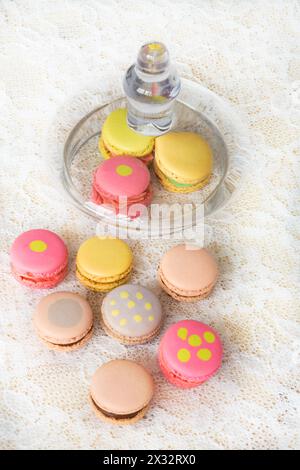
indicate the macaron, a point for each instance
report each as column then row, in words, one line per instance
column 63, row 321
column 190, row 352
column 122, row 184
column 188, row 273
column 183, row 161
column 121, row 392
column 103, row 263
column 118, row 139
column 131, row 314
column 39, row 259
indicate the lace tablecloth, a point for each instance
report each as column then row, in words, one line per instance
column 56, row 59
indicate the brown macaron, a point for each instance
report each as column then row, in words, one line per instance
column 121, row 391
column 63, row 321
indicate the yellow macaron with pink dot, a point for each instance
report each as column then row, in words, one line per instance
column 131, row 314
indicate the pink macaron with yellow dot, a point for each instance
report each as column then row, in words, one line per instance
column 39, row 259
column 190, row 352
column 123, row 185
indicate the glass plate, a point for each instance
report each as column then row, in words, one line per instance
column 196, row 109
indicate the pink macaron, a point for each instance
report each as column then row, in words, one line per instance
column 123, row 185
column 39, row 259
column 190, row 352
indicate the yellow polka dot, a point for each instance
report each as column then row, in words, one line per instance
column 204, row 354
column 123, row 321
column 138, row 318
column 38, row 246
column 184, row 355
column 151, row 318
column 124, row 170
column 139, row 295
column 131, row 304
column 209, row 337
column 148, row 306
column 182, row 333
column 124, row 294
column 112, row 302
column 194, row 340
column 115, row 312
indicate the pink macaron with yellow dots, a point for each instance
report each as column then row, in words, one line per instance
column 39, row 259
column 123, row 185
column 190, row 352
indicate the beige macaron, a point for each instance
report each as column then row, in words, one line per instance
column 63, row 321
column 121, row 391
column 188, row 273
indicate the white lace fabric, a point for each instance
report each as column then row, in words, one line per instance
column 56, row 60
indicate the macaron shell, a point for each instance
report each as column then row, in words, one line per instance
column 38, row 251
column 106, row 258
column 122, row 387
column 132, row 312
column 183, row 156
column 191, row 350
column 63, row 318
column 188, row 268
column 120, row 139
column 122, row 176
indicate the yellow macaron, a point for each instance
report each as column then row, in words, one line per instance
column 103, row 263
column 118, row 139
column 183, row 161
